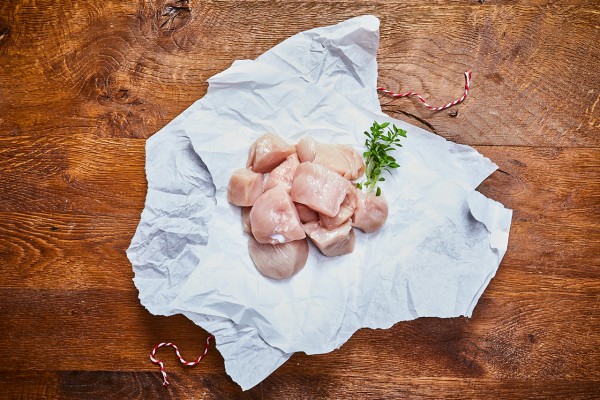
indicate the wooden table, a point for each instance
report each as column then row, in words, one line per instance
column 84, row 83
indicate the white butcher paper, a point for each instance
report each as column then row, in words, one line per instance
column 437, row 252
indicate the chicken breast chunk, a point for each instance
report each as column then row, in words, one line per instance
column 332, row 242
column 346, row 211
column 244, row 187
column 306, row 213
column 246, row 219
column 267, row 152
column 278, row 261
column 283, row 174
column 306, row 149
column 340, row 158
column 274, row 219
column 319, row 188
column 371, row 211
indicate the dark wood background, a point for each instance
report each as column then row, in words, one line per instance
column 84, row 83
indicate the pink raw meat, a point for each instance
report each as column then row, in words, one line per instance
column 340, row 158
column 246, row 219
column 371, row 211
column 319, row 188
column 278, row 261
column 306, row 213
column 284, row 173
column 244, row 187
column 267, row 152
column 332, row 242
column 274, row 219
column 346, row 211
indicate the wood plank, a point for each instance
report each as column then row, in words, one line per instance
column 140, row 385
column 190, row 384
column 92, row 329
column 374, row 386
column 29, row 385
column 107, row 81
column 546, row 184
column 73, row 251
column 514, row 337
column 72, row 174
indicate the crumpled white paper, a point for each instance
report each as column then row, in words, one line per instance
column 435, row 255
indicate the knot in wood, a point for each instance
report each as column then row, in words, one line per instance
column 175, row 15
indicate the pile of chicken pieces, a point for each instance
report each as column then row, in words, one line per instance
column 288, row 193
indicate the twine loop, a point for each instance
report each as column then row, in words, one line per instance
column 440, row 108
column 161, row 364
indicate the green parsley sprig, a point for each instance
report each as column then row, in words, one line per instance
column 379, row 143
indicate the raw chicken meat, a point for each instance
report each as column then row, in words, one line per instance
column 306, row 149
column 274, row 219
column 332, row 242
column 346, row 211
column 371, row 211
column 244, row 187
column 319, row 188
column 267, row 152
column 306, row 213
column 278, row 261
column 308, row 193
column 340, row 158
column 246, row 219
column 284, row 173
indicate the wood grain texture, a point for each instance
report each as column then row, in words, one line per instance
column 147, row 385
column 83, row 84
column 510, row 336
column 29, row 385
column 121, row 75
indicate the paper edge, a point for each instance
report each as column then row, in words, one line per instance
column 498, row 224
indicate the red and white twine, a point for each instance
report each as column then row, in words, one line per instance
column 161, row 364
column 453, row 103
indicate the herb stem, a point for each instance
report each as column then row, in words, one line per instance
column 379, row 143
